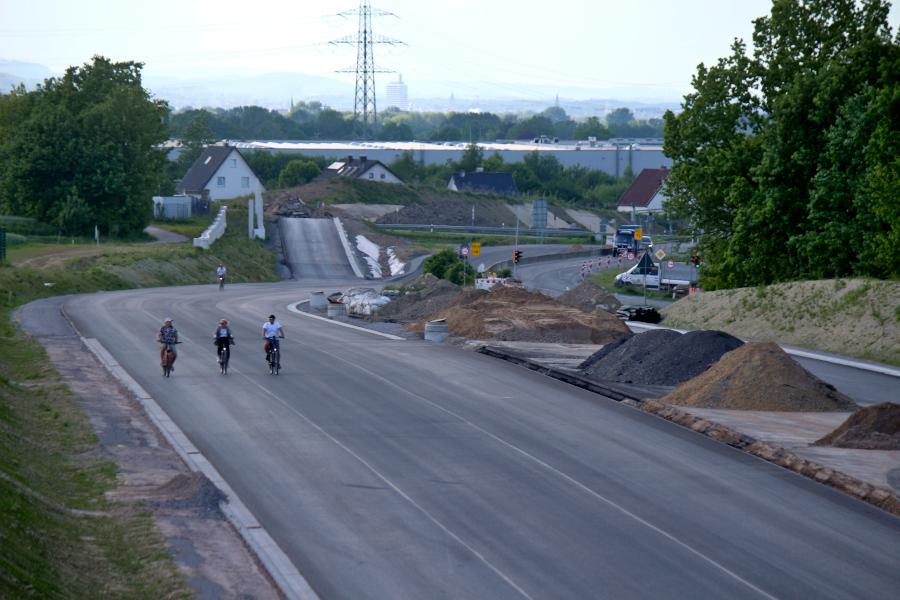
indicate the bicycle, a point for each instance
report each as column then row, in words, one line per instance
column 224, row 352
column 169, row 358
column 273, row 356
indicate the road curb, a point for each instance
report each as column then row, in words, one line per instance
column 346, row 244
column 880, row 497
column 292, row 307
column 286, row 576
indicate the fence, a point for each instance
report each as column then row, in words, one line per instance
column 213, row 232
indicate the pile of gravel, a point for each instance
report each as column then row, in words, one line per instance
column 589, row 297
column 659, row 357
column 420, row 298
column 870, row 428
column 759, row 376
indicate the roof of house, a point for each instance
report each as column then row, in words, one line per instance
column 486, row 182
column 204, row 168
column 354, row 167
column 643, row 188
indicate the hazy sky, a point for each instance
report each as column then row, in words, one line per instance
column 483, row 45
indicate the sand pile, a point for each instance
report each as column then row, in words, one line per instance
column 514, row 314
column 759, row 376
column 870, row 428
column 423, row 296
column 659, row 357
column 589, row 297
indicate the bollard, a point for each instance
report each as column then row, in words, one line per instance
column 437, row 330
column 317, row 301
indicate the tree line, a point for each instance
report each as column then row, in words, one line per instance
column 787, row 159
column 313, row 121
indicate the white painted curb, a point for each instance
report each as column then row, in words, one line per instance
column 288, row 579
column 836, row 360
column 346, row 243
column 293, row 308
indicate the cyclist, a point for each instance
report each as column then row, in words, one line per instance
column 220, row 274
column 167, row 335
column 223, row 339
column 271, row 330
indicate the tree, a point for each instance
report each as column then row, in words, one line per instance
column 84, row 149
column 555, row 113
column 471, row 158
column 591, row 127
column 775, row 154
column 298, row 172
column 619, row 117
column 532, row 128
column 393, row 131
column 445, row 264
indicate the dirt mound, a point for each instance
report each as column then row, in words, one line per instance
column 515, row 314
column 589, row 297
column 453, row 209
column 759, row 376
column 660, row 357
column 870, row 428
column 423, row 296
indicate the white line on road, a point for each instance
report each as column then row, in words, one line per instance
column 293, row 308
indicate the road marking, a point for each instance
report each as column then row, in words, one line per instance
column 293, row 308
column 393, row 486
column 552, row 469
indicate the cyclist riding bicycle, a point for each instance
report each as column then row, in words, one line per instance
column 220, row 274
column 223, row 339
column 272, row 331
column 168, row 337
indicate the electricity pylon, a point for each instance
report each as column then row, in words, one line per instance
column 365, row 112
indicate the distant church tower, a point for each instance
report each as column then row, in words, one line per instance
column 397, row 94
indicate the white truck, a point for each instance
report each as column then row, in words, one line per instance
column 679, row 275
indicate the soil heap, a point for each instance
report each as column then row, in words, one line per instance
column 759, row 376
column 870, row 428
column 589, row 297
column 659, row 357
column 421, row 297
column 515, row 314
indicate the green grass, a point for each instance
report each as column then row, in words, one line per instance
column 49, row 460
column 191, row 227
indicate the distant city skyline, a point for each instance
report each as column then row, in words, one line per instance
column 641, row 50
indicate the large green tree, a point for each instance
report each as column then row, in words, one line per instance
column 776, row 154
column 82, row 150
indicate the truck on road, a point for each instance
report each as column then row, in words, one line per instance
column 628, row 239
column 679, row 275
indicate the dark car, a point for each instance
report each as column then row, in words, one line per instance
column 644, row 314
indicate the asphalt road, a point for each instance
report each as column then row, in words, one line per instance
column 313, row 249
column 406, row 469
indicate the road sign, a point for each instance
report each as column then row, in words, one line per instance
column 630, row 256
column 476, row 248
column 660, row 254
column 671, row 264
column 464, row 251
column 481, row 267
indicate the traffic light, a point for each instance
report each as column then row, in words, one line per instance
column 517, row 255
column 695, row 260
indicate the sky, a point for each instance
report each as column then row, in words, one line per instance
column 482, row 46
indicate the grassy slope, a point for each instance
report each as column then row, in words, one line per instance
column 48, row 453
column 853, row 317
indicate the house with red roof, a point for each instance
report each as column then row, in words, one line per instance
column 645, row 194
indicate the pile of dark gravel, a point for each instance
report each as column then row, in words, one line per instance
column 659, row 357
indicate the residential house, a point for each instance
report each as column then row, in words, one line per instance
column 361, row 168
column 220, row 173
column 483, row 182
column 644, row 195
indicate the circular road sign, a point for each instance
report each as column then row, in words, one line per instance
column 671, row 264
column 464, row 250
column 630, row 256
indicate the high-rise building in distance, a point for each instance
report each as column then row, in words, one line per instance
column 397, row 94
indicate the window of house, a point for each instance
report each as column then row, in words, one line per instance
column 382, row 175
column 220, row 181
column 371, row 175
column 245, row 182
column 233, row 163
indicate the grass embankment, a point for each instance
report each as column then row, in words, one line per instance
column 853, row 317
column 190, row 227
column 50, row 467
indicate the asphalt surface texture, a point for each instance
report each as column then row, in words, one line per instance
column 312, row 249
column 408, row 469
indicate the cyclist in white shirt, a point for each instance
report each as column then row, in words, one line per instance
column 272, row 331
column 220, row 274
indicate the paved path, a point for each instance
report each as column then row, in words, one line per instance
column 164, row 236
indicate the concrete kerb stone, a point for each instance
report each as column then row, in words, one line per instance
column 351, row 256
column 286, row 576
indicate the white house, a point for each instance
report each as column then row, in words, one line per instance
column 361, row 168
column 645, row 194
column 222, row 173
